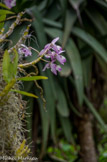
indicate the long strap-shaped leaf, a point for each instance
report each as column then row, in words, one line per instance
column 25, row 93
column 7, row 88
column 90, row 40
column 76, row 64
column 32, row 78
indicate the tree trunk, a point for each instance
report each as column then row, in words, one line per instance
column 85, row 134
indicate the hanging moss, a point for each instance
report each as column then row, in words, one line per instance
column 11, row 125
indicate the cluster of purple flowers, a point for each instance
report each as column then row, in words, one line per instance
column 53, row 52
column 10, row 3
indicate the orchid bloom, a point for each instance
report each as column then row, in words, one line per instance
column 10, row 3
column 53, row 52
column 54, row 68
column 24, row 50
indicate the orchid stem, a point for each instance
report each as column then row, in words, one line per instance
column 34, row 49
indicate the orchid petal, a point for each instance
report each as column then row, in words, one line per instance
column 53, row 68
column 55, row 40
column 61, row 59
column 58, row 68
column 47, row 66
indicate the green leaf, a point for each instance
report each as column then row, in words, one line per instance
column 62, row 106
column 66, row 89
column 45, row 127
column 52, row 23
column 7, row 88
column 95, row 113
column 9, row 67
column 87, row 70
column 97, row 19
column 6, row 64
column 102, row 3
column 2, row 19
column 90, row 40
column 49, row 91
column 66, row 69
column 66, row 128
column 31, row 78
column 76, row 3
column 76, row 64
column 53, row 32
column 69, row 22
column 3, row 5
column 13, row 65
column 25, row 93
column 42, row 5
column 5, row 12
column 53, row 12
column 39, row 27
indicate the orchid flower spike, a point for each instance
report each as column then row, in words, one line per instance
column 53, row 52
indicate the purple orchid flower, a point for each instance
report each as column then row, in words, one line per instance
column 10, row 3
column 53, row 52
column 61, row 59
column 54, row 68
column 51, row 46
column 24, row 50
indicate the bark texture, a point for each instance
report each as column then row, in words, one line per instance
column 85, row 133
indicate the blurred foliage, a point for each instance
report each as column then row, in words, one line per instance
column 102, row 147
column 82, row 28
column 65, row 152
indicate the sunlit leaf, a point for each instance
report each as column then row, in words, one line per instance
column 7, row 88
column 31, row 78
column 25, row 93
column 5, row 12
column 13, row 64
column 10, row 66
column 6, row 63
column 3, row 5
column 2, row 19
